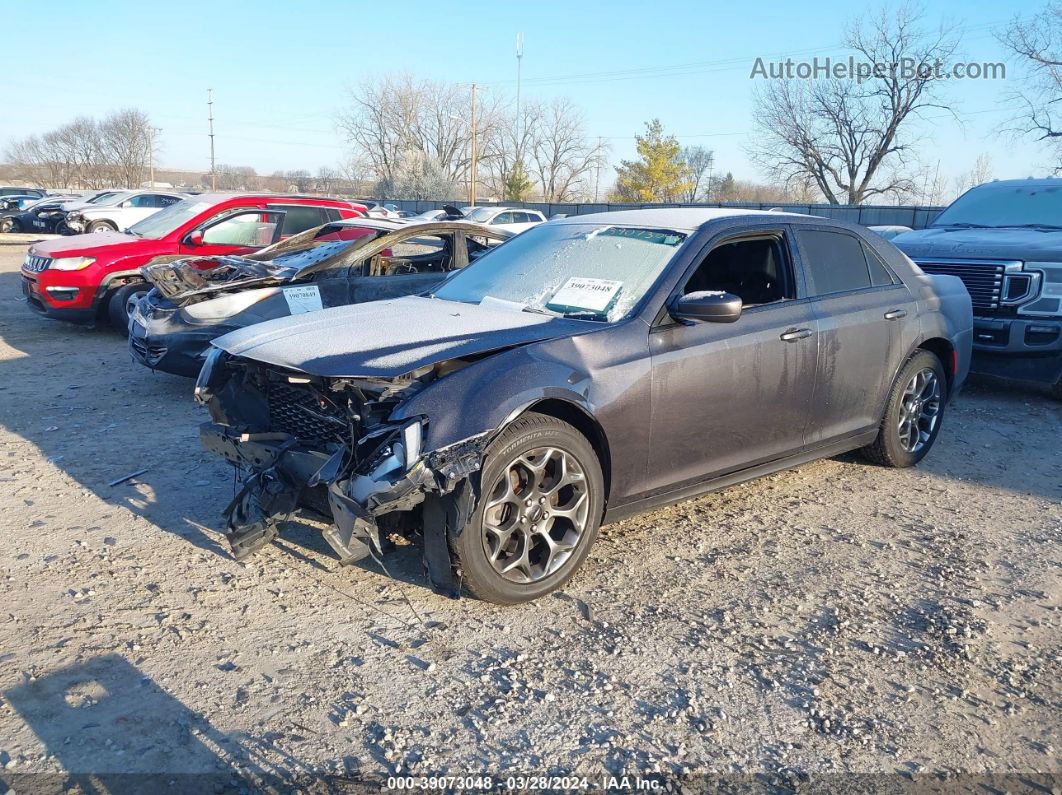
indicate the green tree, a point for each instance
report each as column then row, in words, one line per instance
column 727, row 188
column 517, row 185
column 660, row 174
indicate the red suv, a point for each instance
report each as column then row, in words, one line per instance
column 94, row 277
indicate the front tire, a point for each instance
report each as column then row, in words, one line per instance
column 540, row 507
column 9, row 225
column 913, row 413
column 123, row 302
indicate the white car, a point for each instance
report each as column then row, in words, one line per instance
column 511, row 219
column 119, row 212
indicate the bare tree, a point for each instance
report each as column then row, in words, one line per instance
column 124, row 145
column 506, row 151
column 563, row 157
column 699, row 161
column 229, row 177
column 393, row 120
column 1037, row 44
column 978, row 175
column 844, row 134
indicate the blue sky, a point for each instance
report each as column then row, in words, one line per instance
column 280, row 70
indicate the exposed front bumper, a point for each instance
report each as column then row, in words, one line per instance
column 178, row 352
column 1020, row 348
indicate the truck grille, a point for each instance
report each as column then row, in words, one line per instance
column 37, row 264
column 983, row 280
column 292, row 410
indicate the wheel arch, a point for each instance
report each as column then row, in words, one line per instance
column 584, row 422
column 944, row 350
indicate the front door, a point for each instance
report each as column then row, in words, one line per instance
column 238, row 233
column 726, row 396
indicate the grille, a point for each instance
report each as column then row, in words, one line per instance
column 290, row 412
column 983, row 280
column 37, row 264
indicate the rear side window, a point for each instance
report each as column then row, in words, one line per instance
column 879, row 274
column 299, row 218
column 834, row 262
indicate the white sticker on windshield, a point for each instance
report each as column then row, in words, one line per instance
column 303, row 299
column 580, row 292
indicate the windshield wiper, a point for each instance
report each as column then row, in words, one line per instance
column 1042, row 227
column 540, row 311
column 964, row 225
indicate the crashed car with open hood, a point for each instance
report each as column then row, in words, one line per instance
column 195, row 299
column 590, row 368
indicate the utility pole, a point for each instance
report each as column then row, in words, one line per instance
column 519, row 119
column 210, row 119
column 597, row 177
column 474, row 175
column 151, row 154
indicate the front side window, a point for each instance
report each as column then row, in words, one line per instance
column 755, row 270
column 586, row 271
column 421, row 254
column 834, row 262
column 246, row 229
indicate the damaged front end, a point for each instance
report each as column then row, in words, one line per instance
column 329, row 445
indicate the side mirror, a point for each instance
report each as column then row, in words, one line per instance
column 195, row 237
column 707, row 307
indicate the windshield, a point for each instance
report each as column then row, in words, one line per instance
column 1006, row 205
column 585, row 271
column 160, row 224
column 479, row 214
column 99, row 197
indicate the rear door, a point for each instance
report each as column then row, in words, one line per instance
column 857, row 303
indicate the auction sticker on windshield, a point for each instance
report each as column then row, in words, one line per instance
column 581, row 292
column 303, row 299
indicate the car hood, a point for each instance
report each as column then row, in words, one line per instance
column 386, row 339
column 1003, row 244
column 181, row 279
column 87, row 245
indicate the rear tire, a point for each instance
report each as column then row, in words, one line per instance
column 540, row 506
column 8, row 225
column 102, row 226
column 913, row 413
column 122, row 302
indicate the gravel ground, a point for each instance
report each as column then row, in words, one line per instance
column 838, row 618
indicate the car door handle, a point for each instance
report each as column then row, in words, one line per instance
column 795, row 334
column 895, row 314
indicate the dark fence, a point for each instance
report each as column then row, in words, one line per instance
column 865, row 214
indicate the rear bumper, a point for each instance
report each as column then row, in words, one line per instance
column 1019, row 348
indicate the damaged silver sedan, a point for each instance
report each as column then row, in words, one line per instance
column 589, row 369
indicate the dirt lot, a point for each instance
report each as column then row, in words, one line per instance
column 836, row 618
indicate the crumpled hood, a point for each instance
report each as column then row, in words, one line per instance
column 84, row 245
column 385, row 339
column 1003, row 244
column 182, row 278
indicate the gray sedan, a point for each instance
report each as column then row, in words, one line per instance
column 589, row 369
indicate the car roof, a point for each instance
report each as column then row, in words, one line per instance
column 218, row 198
column 1042, row 182
column 394, row 224
column 677, row 218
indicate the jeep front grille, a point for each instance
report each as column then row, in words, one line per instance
column 37, row 264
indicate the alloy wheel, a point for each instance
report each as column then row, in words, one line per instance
column 536, row 515
column 919, row 410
